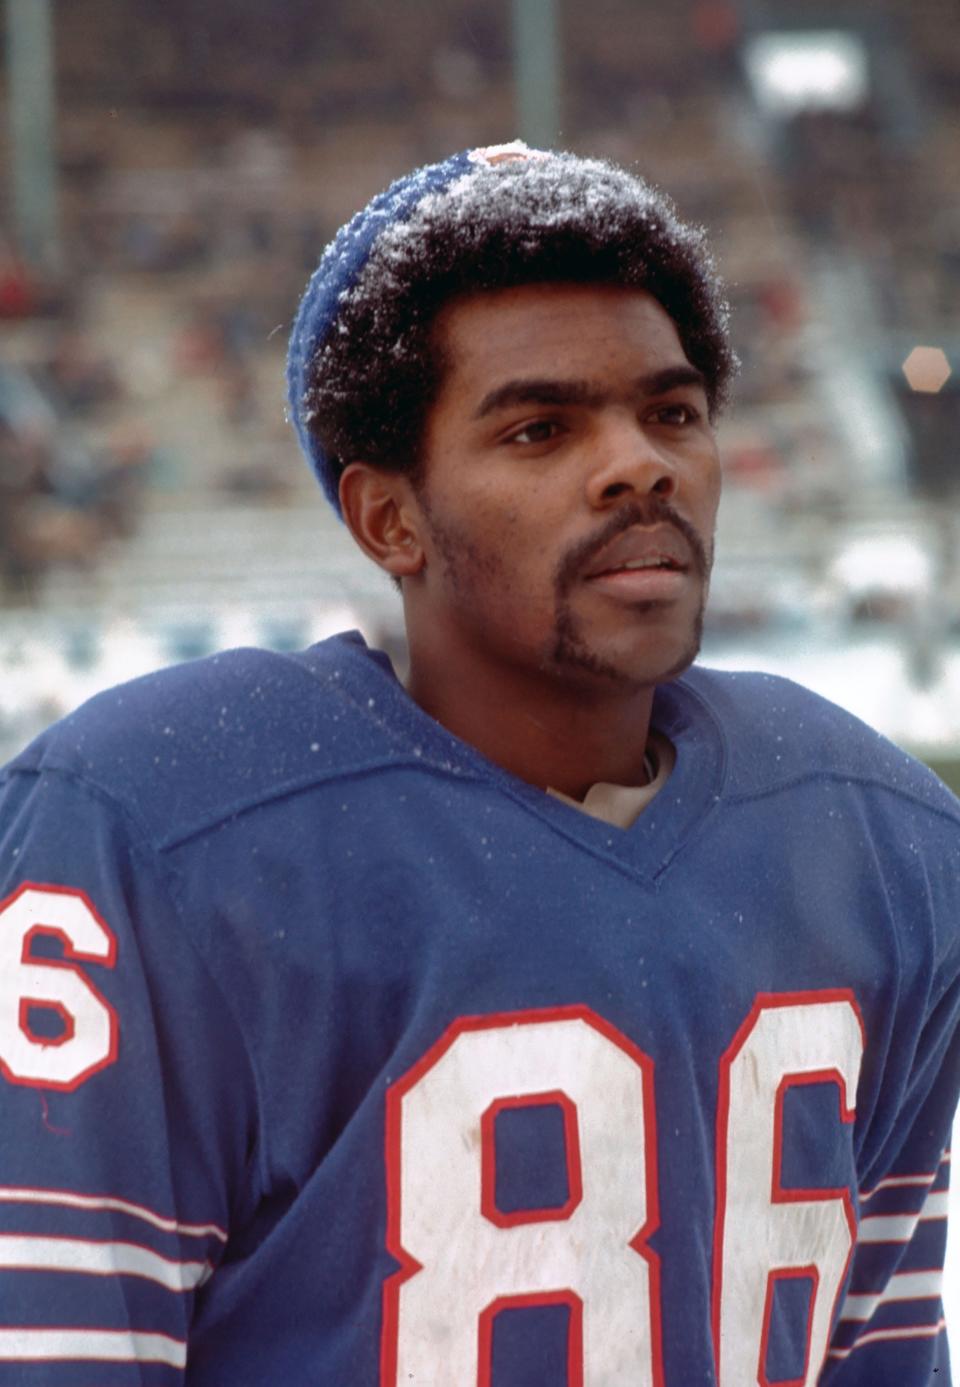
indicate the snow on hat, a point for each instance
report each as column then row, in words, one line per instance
column 341, row 266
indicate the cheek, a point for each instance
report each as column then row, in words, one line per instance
column 509, row 540
column 707, row 497
column 521, row 559
column 511, row 535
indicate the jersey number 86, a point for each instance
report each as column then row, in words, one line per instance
column 462, row 1261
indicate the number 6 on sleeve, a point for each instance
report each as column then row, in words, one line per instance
column 88, row 1024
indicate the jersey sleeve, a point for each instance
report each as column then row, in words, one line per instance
column 126, row 1099
column 892, row 1327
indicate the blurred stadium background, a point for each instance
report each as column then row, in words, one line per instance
column 172, row 172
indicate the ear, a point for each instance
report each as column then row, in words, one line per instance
column 380, row 513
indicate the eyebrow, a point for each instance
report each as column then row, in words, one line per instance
column 524, row 391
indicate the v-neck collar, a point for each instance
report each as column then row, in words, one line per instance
column 620, row 804
column 681, row 713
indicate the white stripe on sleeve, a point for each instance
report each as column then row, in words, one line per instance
column 906, row 1285
column 99, row 1259
column 10, row 1194
column 900, row 1228
column 910, row 1331
column 90, row 1345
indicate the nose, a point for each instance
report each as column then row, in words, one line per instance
column 628, row 464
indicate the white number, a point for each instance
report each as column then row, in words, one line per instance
column 460, row 1266
column 88, row 1036
column 462, row 1260
column 764, row 1231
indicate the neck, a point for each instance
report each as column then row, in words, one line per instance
column 542, row 730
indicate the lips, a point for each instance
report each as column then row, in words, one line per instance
column 642, row 549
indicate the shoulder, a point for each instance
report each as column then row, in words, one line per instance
column 777, row 733
column 190, row 745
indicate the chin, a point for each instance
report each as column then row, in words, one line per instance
column 679, row 666
column 629, row 662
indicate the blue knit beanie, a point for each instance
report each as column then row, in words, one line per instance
column 340, row 268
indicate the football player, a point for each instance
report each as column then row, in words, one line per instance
column 570, row 1014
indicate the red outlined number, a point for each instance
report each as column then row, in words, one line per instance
column 811, row 1275
column 462, row 1262
column 517, row 1302
column 764, row 1232
column 571, row 1132
column 87, row 1036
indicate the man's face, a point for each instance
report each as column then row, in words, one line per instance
column 570, row 488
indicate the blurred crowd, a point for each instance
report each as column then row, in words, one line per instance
column 63, row 495
column 206, row 156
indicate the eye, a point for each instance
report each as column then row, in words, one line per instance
column 536, row 431
column 676, row 415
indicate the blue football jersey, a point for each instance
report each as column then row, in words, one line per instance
column 332, row 1053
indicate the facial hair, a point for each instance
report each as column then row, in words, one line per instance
column 569, row 651
column 571, row 647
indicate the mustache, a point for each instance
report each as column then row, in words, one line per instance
column 653, row 511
